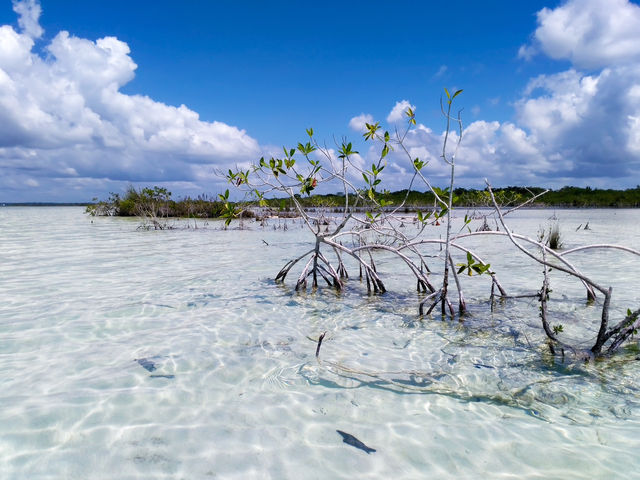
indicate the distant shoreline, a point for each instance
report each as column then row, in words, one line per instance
column 565, row 197
column 411, row 209
column 44, row 204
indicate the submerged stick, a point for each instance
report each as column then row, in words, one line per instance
column 320, row 343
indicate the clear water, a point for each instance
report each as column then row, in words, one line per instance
column 233, row 388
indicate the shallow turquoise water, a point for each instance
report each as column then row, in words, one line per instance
column 236, row 390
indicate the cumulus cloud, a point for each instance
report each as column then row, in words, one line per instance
column 589, row 33
column 64, row 118
column 397, row 113
column 504, row 153
column 570, row 128
column 359, row 123
column 29, row 12
column 580, row 126
column 574, row 126
column 585, row 123
column 586, row 119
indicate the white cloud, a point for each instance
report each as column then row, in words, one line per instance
column 633, row 125
column 66, row 125
column 65, row 119
column 397, row 113
column 589, row 33
column 527, row 52
column 584, row 118
column 359, row 123
column 441, row 71
column 572, row 126
column 29, row 12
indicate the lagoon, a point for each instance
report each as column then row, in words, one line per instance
column 129, row 354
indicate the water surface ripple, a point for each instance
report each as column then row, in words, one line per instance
column 129, row 354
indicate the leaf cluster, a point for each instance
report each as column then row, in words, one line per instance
column 472, row 266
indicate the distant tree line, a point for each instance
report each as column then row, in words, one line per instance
column 568, row 197
column 157, row 201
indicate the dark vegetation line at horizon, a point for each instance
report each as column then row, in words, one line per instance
column 212, row 207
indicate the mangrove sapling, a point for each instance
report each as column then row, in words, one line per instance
column 451, row 161
column 153, row 208
column 381, row 226
column 366, row 224
column 609, row 337
column 105, row 208
column 320, row 166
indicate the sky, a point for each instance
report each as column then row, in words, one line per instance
column 97, row 96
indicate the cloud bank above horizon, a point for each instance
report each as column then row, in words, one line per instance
column 572, row 127
column 68, row 132
column 66, row 126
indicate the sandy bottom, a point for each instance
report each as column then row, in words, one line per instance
column 128, row 354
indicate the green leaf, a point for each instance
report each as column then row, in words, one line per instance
column 385, row 150
column 447, row 92
column 456, row 94
column 469, row 258
column 409, row 113
column 461, row 269
column 371, row 130
column 310, row 132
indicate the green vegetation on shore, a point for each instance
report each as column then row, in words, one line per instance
column 155, row 202
column 158, row 201
column 567, row 197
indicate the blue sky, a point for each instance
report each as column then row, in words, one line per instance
column 98, row 95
